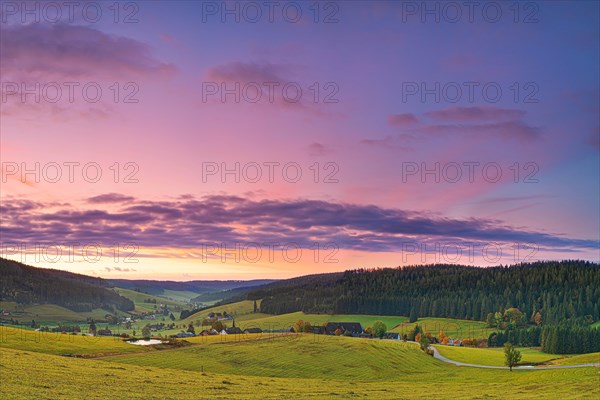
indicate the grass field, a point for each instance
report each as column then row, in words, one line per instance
column 265, row 321
column 245, row 317
column 57, row 343
column 179, row 295
column 275, row 366
column 579, row 359
column 298, row 366
column 50, row 313
column 36, row 375
column 138, row 299
column 238, row 310
column 297, row 356
column 492, row 356
column 453, row 328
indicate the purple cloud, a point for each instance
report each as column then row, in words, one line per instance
column 192, row 223
column 110, row 198
column 71, row 51
column 402, row 119
column 318, row 149
column 475, row 114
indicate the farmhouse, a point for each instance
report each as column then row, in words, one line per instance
column 184, row 334
column 392, row 335
column 354, row 328
column 219, row 316
column 156, row 327
column 104, row 332
column 234, row 330
column 253, row 330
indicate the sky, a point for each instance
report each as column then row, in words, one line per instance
column 189, row 140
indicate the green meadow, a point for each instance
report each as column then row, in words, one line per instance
column 296, row 356
column 50, row 313
column 58, row 343
column 278, row 365
column 298, row 366
column 178, row 295
column 141, row 305
column 453, row 328
column 493, row 356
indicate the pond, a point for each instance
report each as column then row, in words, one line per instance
column 145, row 342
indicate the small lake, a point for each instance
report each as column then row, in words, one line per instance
column 146, row 342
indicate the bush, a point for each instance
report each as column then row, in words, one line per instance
column 470, row 342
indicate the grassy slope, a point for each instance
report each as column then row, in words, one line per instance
column 51, row 313
column 138, row 298
column 236, row 309
column 57, row 343
column 179, row 295
column 284, row 321
column 579, row 359
column 323, row 368
column 298, row 356
column 35, row 375
column 245, row 318
column 492, row 356
column 454, row 328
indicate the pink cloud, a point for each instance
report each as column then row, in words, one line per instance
column 402, row 119
column 36, row 51
column 272, row 84
column 249, row 72
column 473, row 114
column 318, row 149
column 515, row 130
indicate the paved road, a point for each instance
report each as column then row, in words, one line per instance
column 436, row 354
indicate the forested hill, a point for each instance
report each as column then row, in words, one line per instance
column 558, row 290
column 29, row 285
column 158, row 287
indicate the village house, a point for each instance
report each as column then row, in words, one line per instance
column 354, row 328
column 219, row 316
column 234, row 330
column 392, row 336
column 184, row 335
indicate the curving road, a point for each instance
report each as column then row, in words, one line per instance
column 437, row 355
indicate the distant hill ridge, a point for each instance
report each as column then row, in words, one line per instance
column 198, row 286
column 25, row 284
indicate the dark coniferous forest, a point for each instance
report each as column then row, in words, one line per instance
column 30, row 285
column 559, row 291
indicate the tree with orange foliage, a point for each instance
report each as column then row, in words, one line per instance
column 537, row 318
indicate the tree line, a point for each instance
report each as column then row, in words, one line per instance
column 558, row 291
